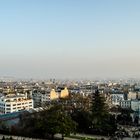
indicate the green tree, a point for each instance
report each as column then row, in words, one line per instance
column 102, row 121
column 56, row 120
column 83, row 119
column 66, row 125
column 125, row 117
column 99, row 108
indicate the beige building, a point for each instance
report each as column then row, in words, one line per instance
column 132, row 95
column 53, row 95
column 64, row 93
column 40, row 97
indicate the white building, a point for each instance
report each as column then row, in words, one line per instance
column 116, row 98
column 40, row 97
column 135, row 105
column 37, row 98
column 15, row 103
column 125, row 104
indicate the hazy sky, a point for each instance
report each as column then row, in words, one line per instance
column 70, row 38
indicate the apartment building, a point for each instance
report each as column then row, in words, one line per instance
column 117, row 98
column 42, row 96
column 125, row 104
column 14, row 103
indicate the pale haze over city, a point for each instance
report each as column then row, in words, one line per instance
column 70, row 38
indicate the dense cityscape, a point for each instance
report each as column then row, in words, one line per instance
column 69, row 70
column 110, row 108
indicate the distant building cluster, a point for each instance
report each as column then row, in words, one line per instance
column 41, row 96
column 20, row 96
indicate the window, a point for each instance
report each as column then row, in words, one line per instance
column 8, row 112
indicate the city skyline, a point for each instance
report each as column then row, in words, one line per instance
column 70, row 39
